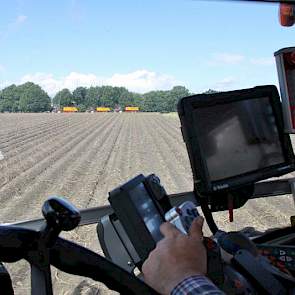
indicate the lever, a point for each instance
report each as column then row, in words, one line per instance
column 60, row 215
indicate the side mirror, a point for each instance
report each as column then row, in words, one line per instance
column 285, row 61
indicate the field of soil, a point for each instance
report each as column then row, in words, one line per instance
column 83, row 157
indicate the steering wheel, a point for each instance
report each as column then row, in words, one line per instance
column 44, row 248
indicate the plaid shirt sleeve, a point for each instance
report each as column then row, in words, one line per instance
column 196, row 285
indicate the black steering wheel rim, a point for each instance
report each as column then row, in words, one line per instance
column 17, row 243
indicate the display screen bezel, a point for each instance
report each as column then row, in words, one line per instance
column 186, row 108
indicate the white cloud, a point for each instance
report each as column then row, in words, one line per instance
column 138, row 81
column 2, row 68
column 263, row 61
column 224, row 84
column 53, row 84
column 226, row 58
column 143, row 80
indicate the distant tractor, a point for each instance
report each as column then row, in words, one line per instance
column 103, row 109
column 70, row 110
column 132, row 109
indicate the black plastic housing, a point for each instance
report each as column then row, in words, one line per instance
column 129, row 214
column 202, row 182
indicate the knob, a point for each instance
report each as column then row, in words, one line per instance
column 60, row 214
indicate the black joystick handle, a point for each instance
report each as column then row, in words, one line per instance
column 60, row 215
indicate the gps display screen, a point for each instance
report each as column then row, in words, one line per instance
column 238, row 137
column 147, row 210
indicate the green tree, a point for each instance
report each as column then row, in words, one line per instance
column 173, row 96
column 79, row 95
column 92, row 97
column 163, row 101
column 9, row 99
column 107, row 97
column 152, row 101
column 82, row 108
column 63, row 98
column 33, row 98
column 126, row 98
column 5, row 105
column 137, row 99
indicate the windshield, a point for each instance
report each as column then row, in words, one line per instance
column 88, row 93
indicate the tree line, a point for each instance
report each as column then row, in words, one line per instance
column 30, row 97
column 113, row 97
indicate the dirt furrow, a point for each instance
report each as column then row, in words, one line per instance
column 174, row 143
column 116, row 170
column 91, row 166
column 174, row 132
column 133, row 158
column 14, row 190
column 106, row 179
column 22, row 132
column 106, row 137
column 24, row 142
column 180, row 179
column 21, row 162
column 53, row 135
column 172, row 122
column 12, row 122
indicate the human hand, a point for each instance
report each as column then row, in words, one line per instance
column 176, row 257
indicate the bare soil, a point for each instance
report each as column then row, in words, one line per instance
column 83, row 157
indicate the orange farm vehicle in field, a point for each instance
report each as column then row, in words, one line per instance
column 131, row 109
column 103, row 109
column 70, row 109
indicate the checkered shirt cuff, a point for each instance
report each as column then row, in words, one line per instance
column 196, row 285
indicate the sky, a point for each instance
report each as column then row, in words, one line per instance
column 142, row 45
